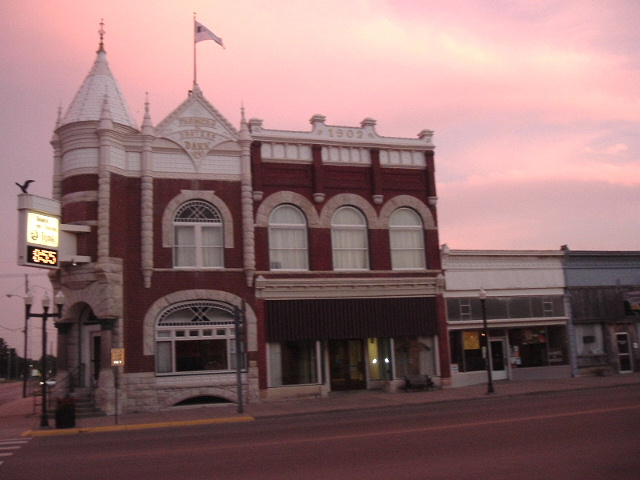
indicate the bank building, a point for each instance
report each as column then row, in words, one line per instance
column 219, row 256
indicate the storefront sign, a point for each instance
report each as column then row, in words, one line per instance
column 471, row 340
column 117, row 357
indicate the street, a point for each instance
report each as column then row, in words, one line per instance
column 584, row 434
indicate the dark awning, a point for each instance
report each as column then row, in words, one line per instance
column 349, row 318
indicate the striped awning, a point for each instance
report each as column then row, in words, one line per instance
column 288, row 320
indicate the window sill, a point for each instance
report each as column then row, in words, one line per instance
column 196, row 373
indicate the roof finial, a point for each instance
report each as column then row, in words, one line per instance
column 59, row 119
column 101, row 32
column 147, row 126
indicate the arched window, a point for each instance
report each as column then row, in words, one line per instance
column 349, row 240
column 195, row 336
column 406, row 237
column 288, row 239
column 198, row 239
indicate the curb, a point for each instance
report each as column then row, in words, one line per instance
column 139, row 426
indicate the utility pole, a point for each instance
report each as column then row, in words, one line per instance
column 25, row 366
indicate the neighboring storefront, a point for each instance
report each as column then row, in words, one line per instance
column 524, row 306
column 604, row 291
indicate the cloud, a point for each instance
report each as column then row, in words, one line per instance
column 539, row 215
column 616, row 149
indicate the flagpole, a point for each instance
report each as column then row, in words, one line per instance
column 194, row 49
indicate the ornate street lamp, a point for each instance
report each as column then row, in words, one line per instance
column 46, row 303
column 483, row 301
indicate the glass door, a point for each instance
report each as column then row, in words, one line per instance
column 624, row 353
column 346, row 359
column 498, row 364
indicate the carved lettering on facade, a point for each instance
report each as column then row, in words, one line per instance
column 345, row 133
column 197, row 135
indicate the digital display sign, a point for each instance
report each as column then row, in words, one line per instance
column 42, row 257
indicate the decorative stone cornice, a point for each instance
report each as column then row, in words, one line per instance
column 365, row 135
column 346, row 287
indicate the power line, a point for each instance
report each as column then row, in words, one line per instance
column 16, row 275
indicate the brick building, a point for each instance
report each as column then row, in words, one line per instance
column 325, row 241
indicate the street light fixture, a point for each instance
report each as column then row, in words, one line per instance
column 483, row 301
column 46, row 303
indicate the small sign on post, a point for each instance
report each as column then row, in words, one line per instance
column 117, row 357
column 117, row 360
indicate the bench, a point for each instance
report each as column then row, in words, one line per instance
column 418, row 382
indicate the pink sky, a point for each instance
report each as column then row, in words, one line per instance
column 535, row 104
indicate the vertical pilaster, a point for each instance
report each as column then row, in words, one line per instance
column 318, row 174
column 146, row 199
column 376, row 176
column 105, row 131
column 248, row 226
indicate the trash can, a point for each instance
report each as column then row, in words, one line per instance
column 66, row 412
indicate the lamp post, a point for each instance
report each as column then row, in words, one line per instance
column 46, row 303
column 483, row 301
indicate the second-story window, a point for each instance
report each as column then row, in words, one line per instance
column 288, row 239
column 406, row 236
column 198, row 239
column 349, row 240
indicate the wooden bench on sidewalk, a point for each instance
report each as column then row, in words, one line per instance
column 418, row 382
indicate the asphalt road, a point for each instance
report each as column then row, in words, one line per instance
column 592, row 434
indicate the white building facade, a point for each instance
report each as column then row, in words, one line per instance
column 525, row 311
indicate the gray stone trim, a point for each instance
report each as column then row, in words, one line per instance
column 159, row 305
column 76, row 197
column 186, row 195
column 279, row 198
column 345, row 199
column 407, row 201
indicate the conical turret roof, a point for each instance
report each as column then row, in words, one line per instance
column 88, row 103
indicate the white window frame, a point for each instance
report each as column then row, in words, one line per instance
column 198, row 320
column 203, row 216
column 359, row 232
column 416, row 232
column 288, row 257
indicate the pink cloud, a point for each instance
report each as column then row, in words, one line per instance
column 539, row 215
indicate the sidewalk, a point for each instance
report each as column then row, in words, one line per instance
column 17, row 418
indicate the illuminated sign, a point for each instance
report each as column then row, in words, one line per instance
column 39, row 231
column 42, row 257
column 117, row 357
column 42, row 229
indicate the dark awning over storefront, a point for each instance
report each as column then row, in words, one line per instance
column 349, row 318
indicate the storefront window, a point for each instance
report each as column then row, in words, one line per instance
column 196, row 336
column 461, row 309
column 293, row 363
column 589, row 339
column 414, row 356
column 379, row 358
column 528, row 347
column 558, row 353
column 466, row 350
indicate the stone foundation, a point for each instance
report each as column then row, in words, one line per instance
column 146, row 392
